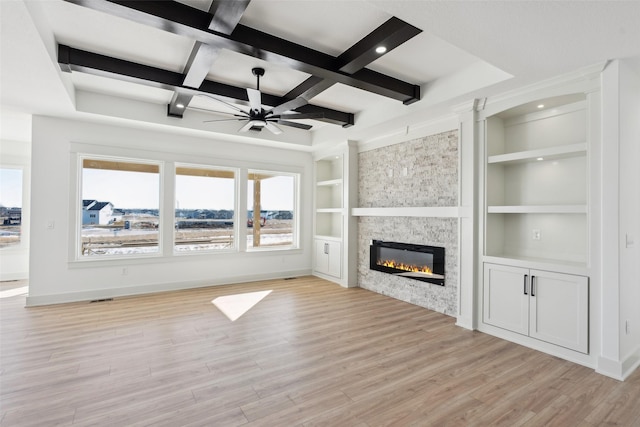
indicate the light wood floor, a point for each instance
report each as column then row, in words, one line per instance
column 310, row 353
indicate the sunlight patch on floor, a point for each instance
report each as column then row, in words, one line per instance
column 14, row 292
column 234, row 306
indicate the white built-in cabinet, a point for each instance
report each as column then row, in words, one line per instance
column 535, row 221
column 328, row 257
column 552, row 307
column 335, row 194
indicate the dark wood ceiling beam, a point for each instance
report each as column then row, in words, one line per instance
column 199, row 64
column 226, row 15
column 389, row 35
column 72, row 59
column 303, row 93
column 183, row 20
column 179, row 102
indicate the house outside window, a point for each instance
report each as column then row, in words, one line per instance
column 120, row 203
column 205, row 205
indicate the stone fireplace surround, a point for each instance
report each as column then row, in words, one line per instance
column 419, row 173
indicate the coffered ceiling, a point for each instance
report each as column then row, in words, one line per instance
column 161, row 64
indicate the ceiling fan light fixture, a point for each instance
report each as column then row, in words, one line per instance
column 381, row 49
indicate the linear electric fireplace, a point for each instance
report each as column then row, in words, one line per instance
column 419, row 262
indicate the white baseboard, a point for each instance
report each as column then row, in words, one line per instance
column 33, row 301
column 619, row 370
column 465, row 322
column 23, row 275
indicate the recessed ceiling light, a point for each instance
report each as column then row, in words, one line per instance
column 381, row 49
column 541, row 106
column 180, row 105
column 540, row 158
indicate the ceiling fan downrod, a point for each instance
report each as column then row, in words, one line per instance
column 258, row 72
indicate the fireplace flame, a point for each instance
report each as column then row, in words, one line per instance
column 402, row 266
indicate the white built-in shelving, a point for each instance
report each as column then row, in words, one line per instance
column 329, row 197
column 334, row 227
column 536, row 202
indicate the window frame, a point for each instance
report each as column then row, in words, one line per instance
column 295, row 238
column 236, row 206
column 22, row 244
column 78, row 208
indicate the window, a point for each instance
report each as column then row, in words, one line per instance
column 10, row 207
column 271, row 202
column 204, row 209
column 120, row 207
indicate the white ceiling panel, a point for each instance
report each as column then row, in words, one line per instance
column 98, row 32
column 467, row 49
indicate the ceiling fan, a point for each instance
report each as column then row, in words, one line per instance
column 258, row 118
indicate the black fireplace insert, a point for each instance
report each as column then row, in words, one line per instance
column 419, row 262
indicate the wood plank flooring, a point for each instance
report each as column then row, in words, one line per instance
column 309, row 354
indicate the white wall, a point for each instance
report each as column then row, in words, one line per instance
column 14, row 260
column 629, row 213
column 54, row 274
column 620, row 352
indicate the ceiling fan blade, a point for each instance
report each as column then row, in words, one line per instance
column 295, row 116
column 248, row 126
column 289, row 105
column 235, row 107
column 273, row 128
column 226, row 113
column 255, row 99
column 294, row 124
column 224, row 120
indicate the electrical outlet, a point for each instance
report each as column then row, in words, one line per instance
column 627, row 328
column 536, row 234
column 125, row 271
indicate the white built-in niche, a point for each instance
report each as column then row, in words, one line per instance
column 536, row 182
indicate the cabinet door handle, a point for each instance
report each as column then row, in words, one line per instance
column 532, row 286
column 326, row 248
column 525, row 283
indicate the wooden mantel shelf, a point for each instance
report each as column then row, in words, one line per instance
column 423, row 211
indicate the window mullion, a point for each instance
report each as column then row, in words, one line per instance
column 241, row 217
column 167, row 215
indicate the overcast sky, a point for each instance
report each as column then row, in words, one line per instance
column 138, row 190
column 11, row 187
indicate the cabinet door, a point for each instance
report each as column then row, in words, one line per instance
column 559, row 309
column 321, row 257
column 506, row 299
column 335, row 259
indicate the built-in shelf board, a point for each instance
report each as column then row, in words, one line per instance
column 329, row 210
column 328, row 237
column 541, row 209
column 550, row 153
column 429, row 211
column 549, row 264
column 329, row 182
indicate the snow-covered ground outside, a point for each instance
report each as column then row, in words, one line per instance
column 270, row 238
